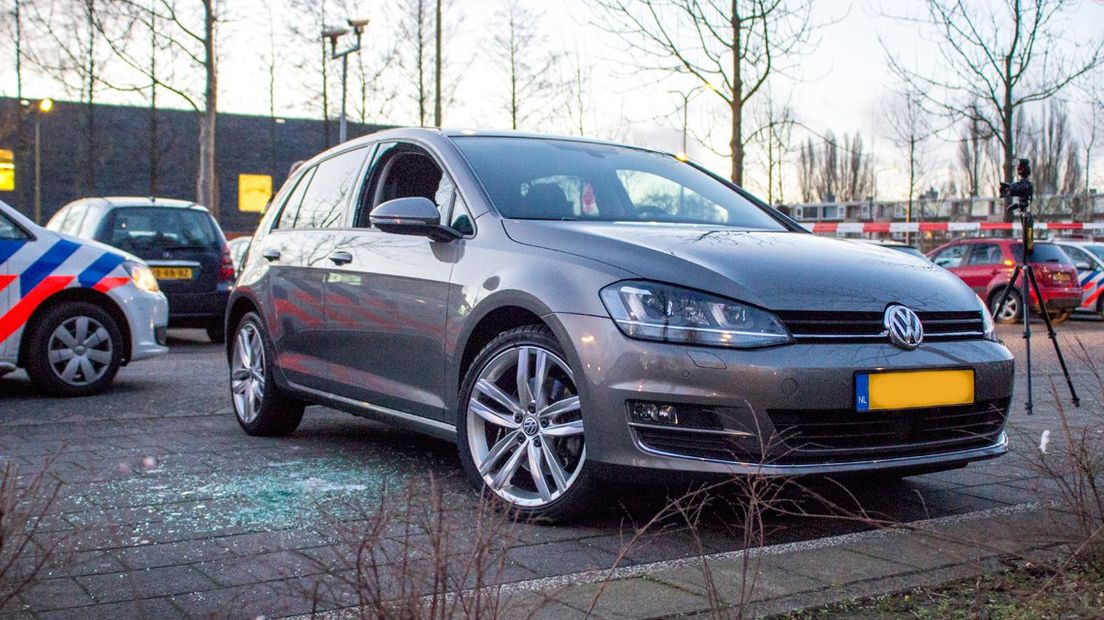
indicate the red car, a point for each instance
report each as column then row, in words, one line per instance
column 986, row 266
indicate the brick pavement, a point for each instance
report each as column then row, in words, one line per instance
column 167, row 509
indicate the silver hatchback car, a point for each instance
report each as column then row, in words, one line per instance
column 570, row 310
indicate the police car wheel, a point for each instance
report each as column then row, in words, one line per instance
column 74, row 349
column 261, row 407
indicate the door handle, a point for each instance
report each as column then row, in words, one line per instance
column 341, row 257
column 271, row 254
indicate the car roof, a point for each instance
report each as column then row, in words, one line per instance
column 433, row 134
column 140, row 201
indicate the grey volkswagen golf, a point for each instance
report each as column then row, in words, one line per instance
column 570, row 311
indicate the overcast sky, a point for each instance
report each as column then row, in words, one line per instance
column 842, row 84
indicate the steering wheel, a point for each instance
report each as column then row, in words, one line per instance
column 646, row 211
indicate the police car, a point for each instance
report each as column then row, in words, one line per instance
column 73, row 311
column 1088, row 257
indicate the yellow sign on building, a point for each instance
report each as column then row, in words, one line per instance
column 254, row 190
column 7, row 171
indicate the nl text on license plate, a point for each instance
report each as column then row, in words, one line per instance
column 172, row 273
column 913, row 388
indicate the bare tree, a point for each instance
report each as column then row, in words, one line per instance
column 731, row 47
column 909, row 127
column 974, row 144
column 776, row 120
column 577, row 91
column 69, row 48
column 528, row 64
column 189, row 34
column 835, row 171
column 414, row 56
column 1001, row 62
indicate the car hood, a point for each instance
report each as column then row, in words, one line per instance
column 775, row 270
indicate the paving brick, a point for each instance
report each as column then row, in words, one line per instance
column 148, row 583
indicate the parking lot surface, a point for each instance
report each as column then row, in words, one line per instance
column 167, row 509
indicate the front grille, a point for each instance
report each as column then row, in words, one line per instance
column 891, row 432
column 859, row 327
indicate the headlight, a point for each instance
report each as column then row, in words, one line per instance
column 652, row 311
column 987, row 325
column 142, row 276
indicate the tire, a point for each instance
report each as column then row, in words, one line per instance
column 496, row 430
column 1012, row 311
column 216, row 331
column 260, row 406
column 74, row 349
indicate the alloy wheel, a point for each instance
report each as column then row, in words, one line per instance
column 525, row 426
column 80, row 350
column 1010, row 311
column 247, row 372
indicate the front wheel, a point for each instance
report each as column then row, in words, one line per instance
column 74, row 349
column 261, row 407
column 1011, row 311
column 520, row 427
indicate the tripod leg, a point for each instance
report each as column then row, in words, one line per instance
column 1025, row 301
column 1053, row 338
column 1007, row 291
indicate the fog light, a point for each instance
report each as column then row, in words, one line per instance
column 653, row 413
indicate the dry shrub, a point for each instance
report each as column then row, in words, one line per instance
column 414, row 556
column 25, row 549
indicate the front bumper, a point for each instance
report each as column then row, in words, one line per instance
column 147, row 316
column 750, row 390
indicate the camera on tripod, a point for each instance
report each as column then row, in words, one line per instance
column 1022, row 189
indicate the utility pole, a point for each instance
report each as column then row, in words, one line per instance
column 437, row 70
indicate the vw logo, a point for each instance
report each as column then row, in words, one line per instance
column 903, row 326
column 530, row 426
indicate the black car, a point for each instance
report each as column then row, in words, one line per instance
column 180, row 240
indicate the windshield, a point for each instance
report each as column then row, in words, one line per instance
column 547, row 179
column 1098, row 250
column 139, row 229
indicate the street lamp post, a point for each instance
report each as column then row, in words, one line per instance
column 44, row 107
column 333, row 34
column 686, row 97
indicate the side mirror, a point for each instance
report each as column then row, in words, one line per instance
column 411, row 216
column 1082, row 266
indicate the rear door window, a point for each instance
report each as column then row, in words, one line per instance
column 139, row 229
column 985, row 254
column 324, row 201
column 289, row 215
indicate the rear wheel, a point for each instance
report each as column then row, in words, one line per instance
column 1011, row 311
column 520, row 427
column 74, row 349
column 261, row 407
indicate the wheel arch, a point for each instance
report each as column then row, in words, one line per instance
column 238, row 308
column 86, row 295
column 496, row 314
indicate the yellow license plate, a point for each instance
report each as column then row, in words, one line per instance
column 1059, row 276
column 172, row 273
column 913, row 388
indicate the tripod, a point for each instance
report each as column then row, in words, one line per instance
column 1025, row 271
